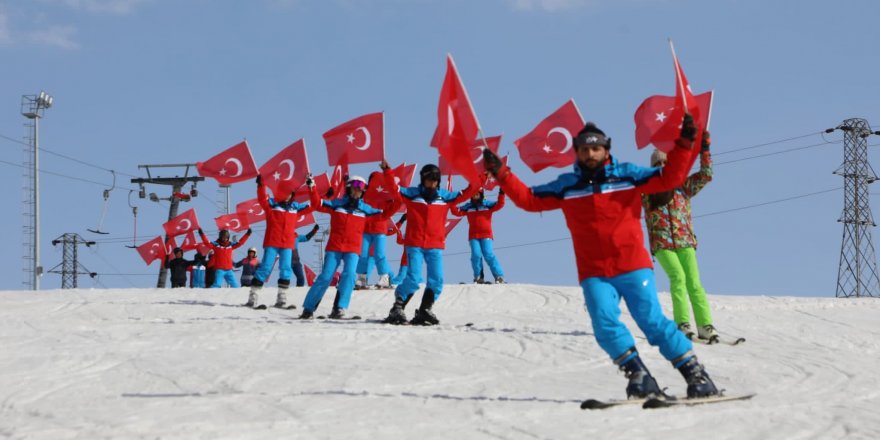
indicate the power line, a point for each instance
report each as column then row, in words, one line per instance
column 767, row 143
column 67, row 157
column 63, row 175
column 775, row 153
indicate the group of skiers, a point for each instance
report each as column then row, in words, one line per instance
column 602, row 202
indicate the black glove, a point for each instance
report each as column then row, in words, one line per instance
column 201, row 232
column 259, row 179
column 688, row 129
column 500, row 192
column 707, row 140
column 384, row 165
column 402, row 218
column 309, row 182
column 491, row 161
column 329, row 193
column 315, row 229
column 249, row 231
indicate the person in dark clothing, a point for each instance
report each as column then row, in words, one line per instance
column 209, row 269
column 177, row 266
column 297, row 264
column 248, row 266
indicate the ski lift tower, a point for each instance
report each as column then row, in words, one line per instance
column 857, row 274
column 32, row 108
column 177, row 183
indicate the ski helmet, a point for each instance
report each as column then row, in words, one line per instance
column 356, row 182
column 430, row 172
column 253, row 249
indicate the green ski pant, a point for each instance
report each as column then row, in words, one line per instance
column 684, row 283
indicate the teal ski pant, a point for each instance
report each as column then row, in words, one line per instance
column 602, row 296
column 684, row 285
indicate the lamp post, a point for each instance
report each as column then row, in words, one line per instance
column 32, row 107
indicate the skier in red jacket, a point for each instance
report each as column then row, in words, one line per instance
column 223, row 249
column 479, row 214
column 601, row 202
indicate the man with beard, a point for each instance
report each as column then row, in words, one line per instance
column 601, row 202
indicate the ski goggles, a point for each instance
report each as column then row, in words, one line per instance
column 357, row 184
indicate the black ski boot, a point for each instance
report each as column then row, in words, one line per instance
column 307, row 314
column 397, row 314
column 424, row 315
column 641, row 384
column 337, row 313
column 699, row 383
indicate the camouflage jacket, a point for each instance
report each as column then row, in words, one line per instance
column 670, row 226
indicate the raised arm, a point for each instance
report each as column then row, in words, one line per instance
column 695, row 182
column 243, row 240
column 456, row 211
column 499, row 204
column 679, row 161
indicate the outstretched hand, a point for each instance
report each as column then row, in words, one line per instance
column 309, row 181
column 201, row 232
column 315, row 229
column 259, row 180
column 688, row 128
column 384, row 165
column 491, row 162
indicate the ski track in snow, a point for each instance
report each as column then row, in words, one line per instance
column 146, row 363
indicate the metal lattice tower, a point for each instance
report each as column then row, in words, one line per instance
column 32, row 108
column 70, row 266
column 857, row 273
column 28, row 208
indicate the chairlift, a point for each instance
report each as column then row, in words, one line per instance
column 104, row 208
column 134, row 212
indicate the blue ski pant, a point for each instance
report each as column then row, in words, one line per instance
column 198, row 278
column 602, row 296
column 299, row 274
column 401, row 275
column 345, row 286
column 227, row 275
column 378, row 242
column 481, row 248
column 416, row 256
column 285, row 256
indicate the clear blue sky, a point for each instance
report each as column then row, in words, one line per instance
column 152, row 81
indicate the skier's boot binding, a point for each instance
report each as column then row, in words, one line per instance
column 685, row 327
column 641, row 384
column 698, row 380
column 306, row 314
column 424, row 315
column 708, row 333
column 397, row 314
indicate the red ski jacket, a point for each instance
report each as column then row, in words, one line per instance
column 378, row 224
column 426, row 219
column 347, row 220
column 479, row 217
column 223, row 250
column 603, row 211
column 281, row 219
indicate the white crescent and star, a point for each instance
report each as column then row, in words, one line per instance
column 565, row 133
column 450, row 119
column 237, row 164
column 153, row 251
column 289, row 164
column 180, row 224
column 368, row 140
column 259, row 213
column 234, row 223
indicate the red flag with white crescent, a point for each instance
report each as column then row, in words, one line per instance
column 287, row 170
column 457, row 125
column 491, row 183
column 360, row 140
column 378, row 190
column 656, row 111
column 493, row 143
column 310, row 275
column 235, row 164
column 152, row 250
column 182, row 224
column 190, row 241
column 235, row 222
column 305, row 220
column 451, row 223
column 252, row 209
column 551, row 142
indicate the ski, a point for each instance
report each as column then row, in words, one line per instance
column 719, row 340
column 346, row 318
column 259, row 307
column 591, row 404
column 654, row 403
column 287, row 307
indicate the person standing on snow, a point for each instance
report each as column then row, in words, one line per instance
column 479, row 214
column 248, row 266
column 279, row 241
column 223, row 249
column 348, row 215
column 177, row 266
column 374, row 244
column 197, row 278
column 601, row 202
column 427, row 206
column 297, row 264
column 674, row 244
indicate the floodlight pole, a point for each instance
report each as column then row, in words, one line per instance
column 32, row 107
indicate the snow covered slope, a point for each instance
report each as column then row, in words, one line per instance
column 192, row 364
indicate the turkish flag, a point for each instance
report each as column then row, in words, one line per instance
column 322, row 184
column 190, row 241
column 182, row 224
column 457, row 125
column 287, row 170
column 310, row 275
column 476, row 155
column 305, row 220
column 360, row 140
column 491, row 183
column 550, row 143
column 451, row 223
column 252, row 209
column 235, row 222
column 669, row 129
column 170, row 245
column 235, row 164
column 449, row 183
column 152, row 250
column 654, row 113
column 337, row 179
column 378, row 191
